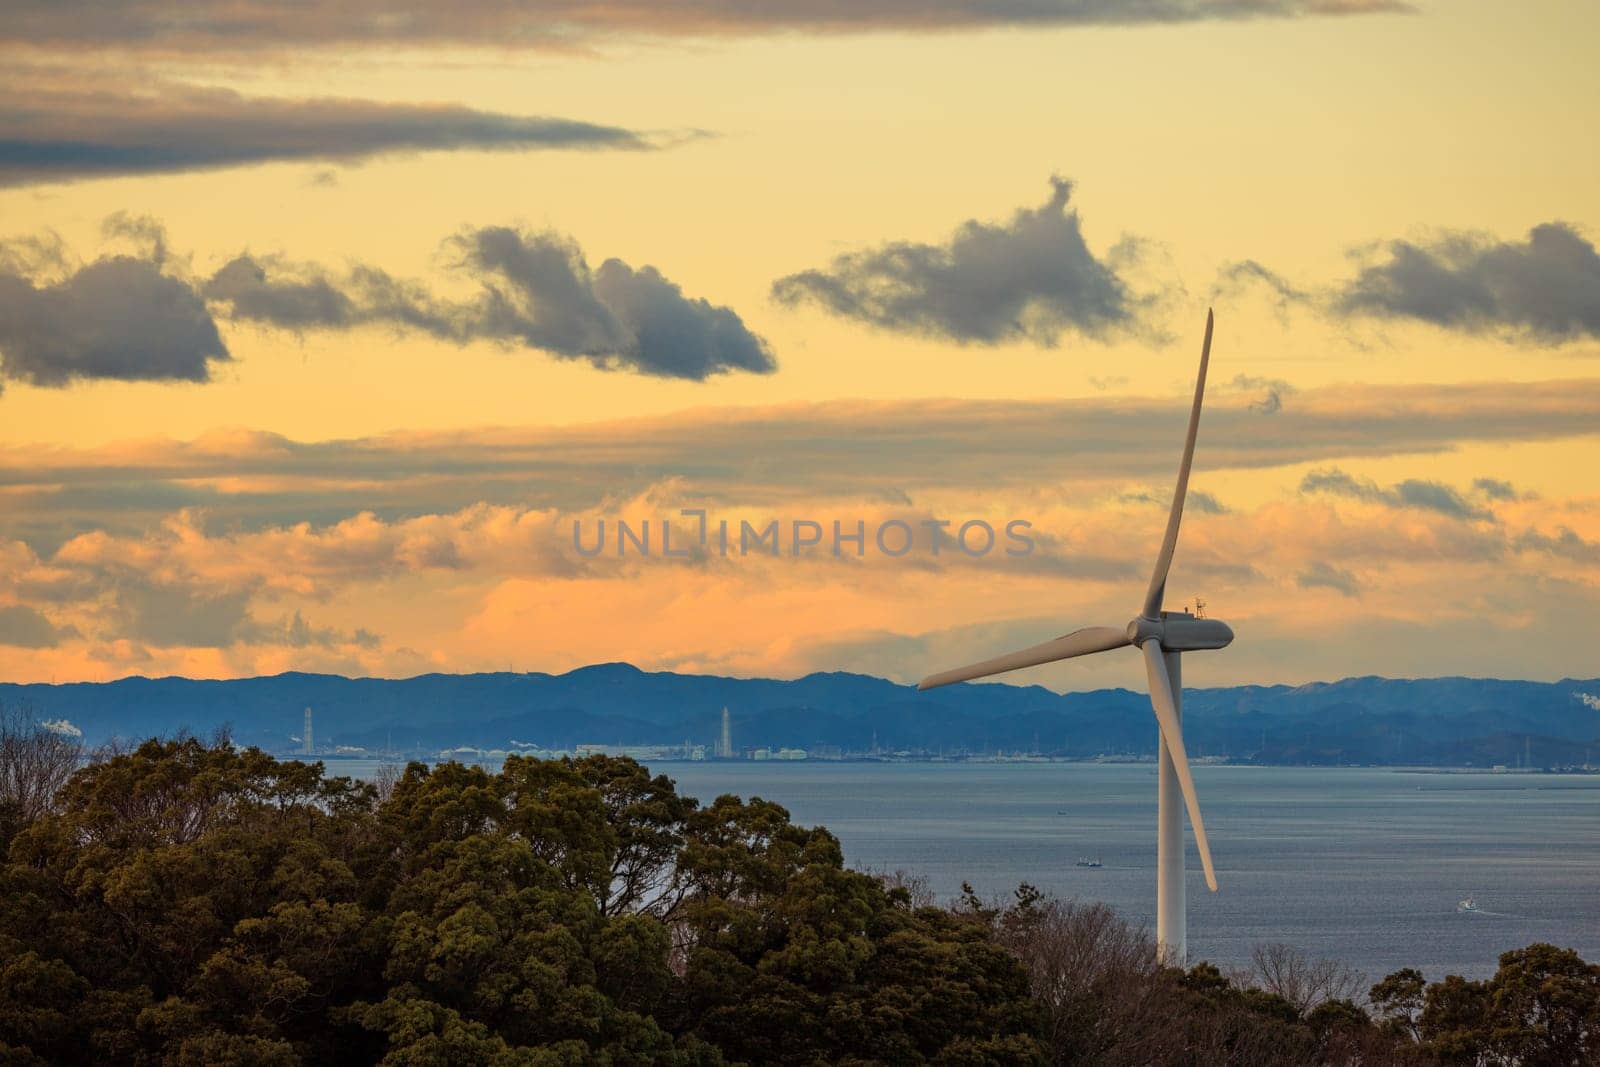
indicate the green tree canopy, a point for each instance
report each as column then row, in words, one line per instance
column 192, row 903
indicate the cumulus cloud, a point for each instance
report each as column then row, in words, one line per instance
column 1588, row 700
column 63, row 727
column 540, row 292
column 120, row 317
column 1411, row 493
column 675, row 336
column 63, row 133
column 1032, row 278
column 294, row 302
column 1322, row 575
column 213, row 24
column 128, row 317
column 1545, row 288
column 23, row 627
column 478, row 585
column 1495, row 489
column 536, row 291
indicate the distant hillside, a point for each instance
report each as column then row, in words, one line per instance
column 1436, row 721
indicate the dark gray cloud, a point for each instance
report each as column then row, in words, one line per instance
column 1196, row 500
column 31, row 255
column 1269, row 392
column 1566, row 544
column 297, row 298
column 1411, row 493
column 162, row 25
column 146, row 232
column 23, row 627
column 119, row 317
column 1322, row 575
column 675, row 336
column 1243, row 275
column 537, row 291
column 60, row 135
column 1033, row 278
column 1495, row 489
column 271, row 290
column 125, row 317
column 1546, row 288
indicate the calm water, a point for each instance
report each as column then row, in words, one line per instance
column 1362, row 865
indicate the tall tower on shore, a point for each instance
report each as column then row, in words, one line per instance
column 725, row 744
column 307, row 734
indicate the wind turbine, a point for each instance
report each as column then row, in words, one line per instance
column 1162, row 637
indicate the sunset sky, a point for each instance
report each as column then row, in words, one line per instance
column 321, row 325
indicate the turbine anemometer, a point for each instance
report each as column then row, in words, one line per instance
column 1161, row 638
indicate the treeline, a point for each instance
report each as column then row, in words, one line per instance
column 186, row 902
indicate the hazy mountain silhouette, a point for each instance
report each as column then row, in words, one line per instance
column 1452, row 721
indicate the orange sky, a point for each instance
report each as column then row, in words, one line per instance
column 374, row 322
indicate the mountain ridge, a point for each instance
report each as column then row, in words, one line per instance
column 1450, row 720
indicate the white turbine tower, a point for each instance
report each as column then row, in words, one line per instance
column 1162, row 637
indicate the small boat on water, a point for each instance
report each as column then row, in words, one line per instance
column 1085, row 861
column 1467, row 905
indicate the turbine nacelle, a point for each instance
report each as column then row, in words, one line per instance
column 1180, row 631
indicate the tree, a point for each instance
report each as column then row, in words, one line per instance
column 1544, row 1006
column 187, row 902
column 1454, row 1020
column 1399, row 999
column 1302, row 981
column 791, row 958
column 36, row 759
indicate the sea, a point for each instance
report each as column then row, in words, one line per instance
column 1365, row 866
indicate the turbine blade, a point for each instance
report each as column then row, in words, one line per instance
column 1166, row 709
column 1078, row 643
column 1158, row 580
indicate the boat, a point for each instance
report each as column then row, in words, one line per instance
column 1467, row 905
column 1085, row 861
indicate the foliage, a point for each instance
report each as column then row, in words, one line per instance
column 192, row 903
column 187, row 902
column 1108, row 1002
